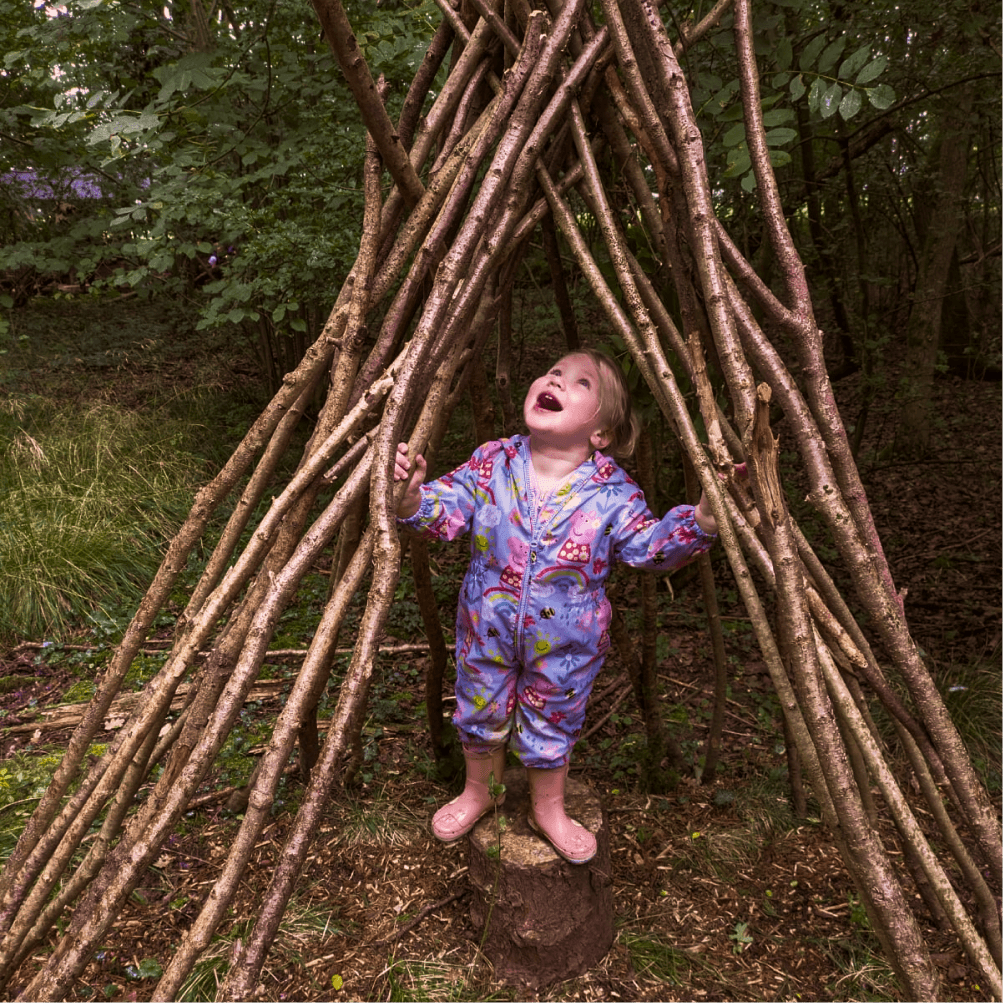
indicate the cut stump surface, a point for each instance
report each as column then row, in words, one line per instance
column 551, row 920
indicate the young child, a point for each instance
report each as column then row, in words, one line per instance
column 548, row 514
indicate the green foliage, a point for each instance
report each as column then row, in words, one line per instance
column 860, row 969
column 230, row 164
column 212, row 966
column 810, row 68
column 24, row 778
column 88, row 500
column 300, row 923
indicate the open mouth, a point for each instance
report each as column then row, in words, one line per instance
column 548, row 402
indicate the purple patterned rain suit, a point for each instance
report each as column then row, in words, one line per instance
column 532, row 629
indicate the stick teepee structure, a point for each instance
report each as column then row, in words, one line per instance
column 542, row 109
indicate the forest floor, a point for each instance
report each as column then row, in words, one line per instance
column 720, row 892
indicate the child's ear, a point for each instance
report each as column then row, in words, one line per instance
column 600, row 439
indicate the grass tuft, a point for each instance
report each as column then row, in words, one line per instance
column 87, row 503
column 434, row 982
column 653, row 959
column 973, row 695
column 863, row 972
column 380, row 823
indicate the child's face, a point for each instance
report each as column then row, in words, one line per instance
column 562, row 408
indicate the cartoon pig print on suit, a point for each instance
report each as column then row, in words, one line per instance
column 577, row 548
column 518, row 553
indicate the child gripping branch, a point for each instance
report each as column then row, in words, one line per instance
column 549, row 513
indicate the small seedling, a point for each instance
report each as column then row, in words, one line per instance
column 741, row 937
column 495, row 789
column 858, row 913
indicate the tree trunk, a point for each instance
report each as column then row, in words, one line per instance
column 541, row 920
column 923, row 334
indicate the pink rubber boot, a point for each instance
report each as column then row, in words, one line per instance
column 460, row 815
column 547, row 816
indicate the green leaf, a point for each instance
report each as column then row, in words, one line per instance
column 777, row 116
column 829, row 103
column 735, row 135
column 881, row 97
column 784, row 54
column 738, row 163
column 777, row 137
column 818, row 89
column 749, row 182
column 872, row 70
column 830, row 57
column 850, row 104
column 722, row 98
column 797, row 88
column 779, row 158
column 854, row 62
column 708, row 82
column 811, row 51
column 149, row 968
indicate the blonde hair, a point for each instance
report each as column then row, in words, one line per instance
column 619, row 421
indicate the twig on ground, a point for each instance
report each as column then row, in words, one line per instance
column 426, row 910
column 616, row 703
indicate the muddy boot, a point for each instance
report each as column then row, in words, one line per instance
column 547, row 816
column 457, row 818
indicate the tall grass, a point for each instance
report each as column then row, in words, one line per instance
column 973, row 695
column 88, row 499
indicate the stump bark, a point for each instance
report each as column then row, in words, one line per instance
column 551, row 920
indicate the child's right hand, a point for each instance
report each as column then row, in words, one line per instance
column 402, row 468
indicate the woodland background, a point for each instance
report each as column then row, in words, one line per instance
column 181, row 201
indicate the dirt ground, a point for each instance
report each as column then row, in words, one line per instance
column 720, row 893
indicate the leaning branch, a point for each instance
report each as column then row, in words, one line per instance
column 341, row 38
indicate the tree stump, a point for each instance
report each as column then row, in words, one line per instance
column 551, row 920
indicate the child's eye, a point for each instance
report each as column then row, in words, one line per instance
column 585, row 383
